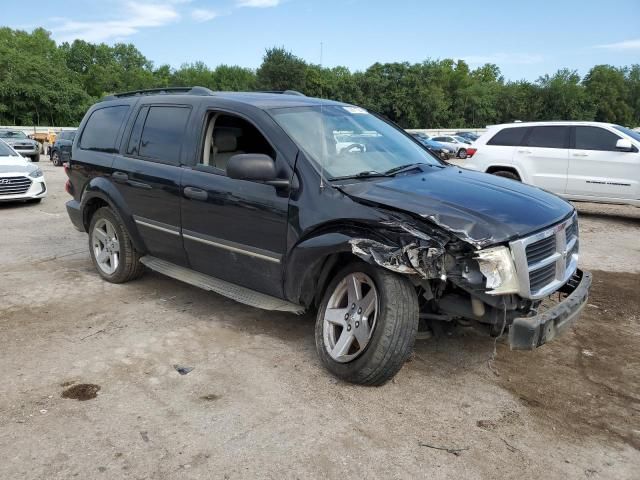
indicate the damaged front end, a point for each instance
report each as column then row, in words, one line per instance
column 459, row 283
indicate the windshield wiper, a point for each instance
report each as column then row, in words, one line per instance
column 364, row 174
column 403, row 168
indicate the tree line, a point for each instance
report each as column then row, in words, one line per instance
column 43, row 83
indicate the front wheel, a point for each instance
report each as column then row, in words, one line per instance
column 55, row 158
column 35, row 158
column 367, row 324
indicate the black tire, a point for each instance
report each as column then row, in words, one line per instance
column 393, row 336
column 55, row 158
column 462, row 153
column 35, row 158
column 506, row 174
column 129, row 266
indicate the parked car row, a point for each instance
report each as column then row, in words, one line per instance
column 447, row 146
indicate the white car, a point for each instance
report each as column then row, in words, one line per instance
column 582, row 161
column 456, row 144
column 19, row 178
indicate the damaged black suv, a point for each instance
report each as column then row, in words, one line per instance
column 290, row 203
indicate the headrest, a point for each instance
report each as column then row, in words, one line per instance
column 225, row 141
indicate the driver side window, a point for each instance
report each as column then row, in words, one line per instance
column 228, row 135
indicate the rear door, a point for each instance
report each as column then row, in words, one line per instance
column 543, row 158
column 148, row 172
column 598, row 169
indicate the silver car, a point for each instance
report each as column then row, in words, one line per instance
column 21, row 143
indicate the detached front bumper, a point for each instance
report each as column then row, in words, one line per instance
column 527, row 333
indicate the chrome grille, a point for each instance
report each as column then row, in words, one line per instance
column 14, row 185
column 540, row 250
column 546, row 260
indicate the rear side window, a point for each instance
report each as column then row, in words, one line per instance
column 595, row 138
column 163, row 133
column 508, row 137
column 549, row 137
column 102, row 129
column 136, row 131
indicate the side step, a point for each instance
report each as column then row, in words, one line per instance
column 230, row 290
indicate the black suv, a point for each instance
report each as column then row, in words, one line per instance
column 290, row 203
column 61, row 149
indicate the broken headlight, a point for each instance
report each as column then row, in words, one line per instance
column 498, row 268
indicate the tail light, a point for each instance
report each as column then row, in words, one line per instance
column 471, row 151
column 65, row 165
column 68, row 187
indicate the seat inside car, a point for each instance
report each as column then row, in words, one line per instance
column 225, row 146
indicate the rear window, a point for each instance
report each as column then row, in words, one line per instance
column 595, row 138
column 163, row 133
column 508, row 137
column 549, row 137
column 102, row 129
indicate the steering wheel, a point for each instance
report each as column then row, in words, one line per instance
column 354, row 147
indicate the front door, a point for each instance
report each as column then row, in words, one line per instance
column 148, row 177
column 234, row 230
column 598, row 169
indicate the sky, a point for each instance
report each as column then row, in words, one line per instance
column 526, row 39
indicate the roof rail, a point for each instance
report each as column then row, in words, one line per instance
column 283, row 92
column 161, row 91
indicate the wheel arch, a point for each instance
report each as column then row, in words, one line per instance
column 102, row 193
column 321, row 253
column 506, row 168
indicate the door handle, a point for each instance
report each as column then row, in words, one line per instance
column 195, row 193
column 120, row 176
column 580, row 154
column 524, row 151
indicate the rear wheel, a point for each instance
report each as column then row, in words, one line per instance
column 506, row 174
column 367, row 324
column 462, row 153
column 112, row 251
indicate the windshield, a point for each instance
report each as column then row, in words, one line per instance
column 345, row 141
column 632, row 133
column 6, row 151
column 12, row 134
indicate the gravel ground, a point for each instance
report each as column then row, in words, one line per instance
column 257, row 402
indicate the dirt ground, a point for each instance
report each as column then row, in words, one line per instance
column 89, row 388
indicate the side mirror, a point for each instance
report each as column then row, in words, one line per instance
column 255, row 167
column 624, row 145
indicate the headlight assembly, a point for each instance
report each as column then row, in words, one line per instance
column 498, row 268
column 36, row 173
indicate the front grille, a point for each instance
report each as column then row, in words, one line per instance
column 14, row 185
column 540, row 250
column 541, row 277
column 546, row 260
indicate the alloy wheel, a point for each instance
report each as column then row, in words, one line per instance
column 106, row 246
column 350, row 317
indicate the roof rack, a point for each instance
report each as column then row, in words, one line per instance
column 162, row 91
column 283, row 92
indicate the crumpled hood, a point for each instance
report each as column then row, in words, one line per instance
column 17, row 165
column 479, row 208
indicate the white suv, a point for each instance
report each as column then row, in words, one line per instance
column 588, row 161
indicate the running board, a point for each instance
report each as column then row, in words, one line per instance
column 230, row 290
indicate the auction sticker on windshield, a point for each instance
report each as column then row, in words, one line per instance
column 356, row 110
